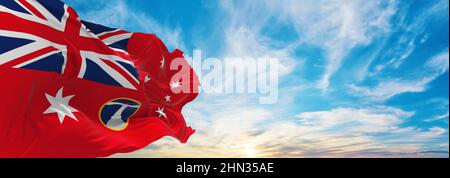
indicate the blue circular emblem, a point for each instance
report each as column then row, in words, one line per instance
column 115, row 114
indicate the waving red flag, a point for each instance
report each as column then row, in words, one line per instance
column 72, row 88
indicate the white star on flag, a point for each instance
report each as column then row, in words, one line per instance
column 162, row 62
column 160, row 111
column 167, row 98
column 60, row 105
column 147, row 78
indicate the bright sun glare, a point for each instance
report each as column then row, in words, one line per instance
column 249, row 150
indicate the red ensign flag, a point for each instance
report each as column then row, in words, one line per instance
column 71, row 88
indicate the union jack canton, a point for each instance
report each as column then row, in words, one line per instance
column 56, row 40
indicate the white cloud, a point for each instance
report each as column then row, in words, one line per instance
column 438, row 117
column 396, row 62
column 412, row 32
column 340, row 132
column 243, row 37
column 412, row 135
column 383, row 119
column 439, row 63
column 388, row 88
column 337, row 26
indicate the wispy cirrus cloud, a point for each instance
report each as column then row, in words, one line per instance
column 413, row 34
column 438, row 117
column 243, row 37
column 386, row 89
column 334, row 26
column 337, row 26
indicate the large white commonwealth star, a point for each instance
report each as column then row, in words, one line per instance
column 60, row 105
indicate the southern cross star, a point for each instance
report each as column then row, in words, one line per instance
column 160, row 111
column 167, row 98
column 60, row 105
column 147, row 78
column 162, row 62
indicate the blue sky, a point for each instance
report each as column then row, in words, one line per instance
column 357, row 78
